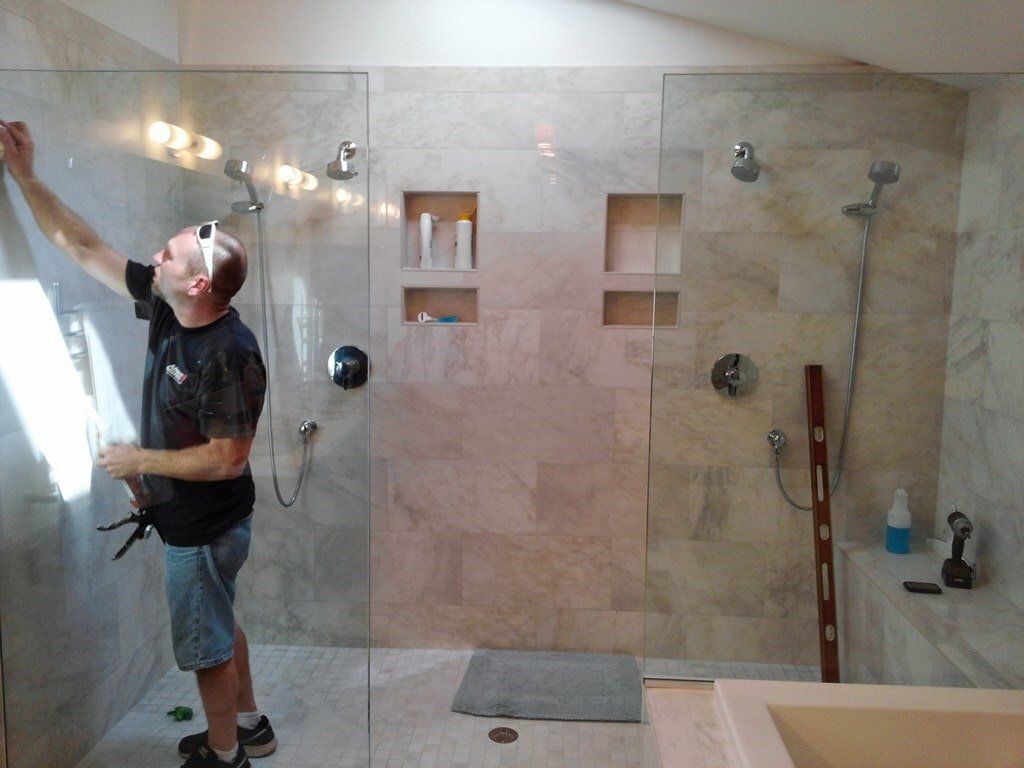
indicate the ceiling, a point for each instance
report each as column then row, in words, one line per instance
column 902, row 35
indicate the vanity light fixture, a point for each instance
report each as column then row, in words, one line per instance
column 292, row 177
column 178, row 140
column 349, row 200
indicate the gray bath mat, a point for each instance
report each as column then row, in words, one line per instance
column 538, row 685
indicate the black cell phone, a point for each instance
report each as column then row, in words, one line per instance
column 924, row 587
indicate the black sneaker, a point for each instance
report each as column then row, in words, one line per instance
column 256, row 742
column 205, row 757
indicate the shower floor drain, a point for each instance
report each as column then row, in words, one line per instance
column 503, row 735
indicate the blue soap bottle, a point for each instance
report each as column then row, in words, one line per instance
column 897, row 529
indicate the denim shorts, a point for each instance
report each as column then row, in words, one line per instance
column 200, row 584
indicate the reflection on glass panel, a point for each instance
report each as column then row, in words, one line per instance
column 142, row 156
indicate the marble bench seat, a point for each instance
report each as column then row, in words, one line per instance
column 967, row 638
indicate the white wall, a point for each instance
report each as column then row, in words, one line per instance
column 461, row 33
column 153, row 23
column 903, row 35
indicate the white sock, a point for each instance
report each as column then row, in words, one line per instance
column 249, row 719
column 227, row 757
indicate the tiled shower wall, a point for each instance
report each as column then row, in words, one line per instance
column 769, row 270
column 983, row 425
column 510, row 455
column 82, row 637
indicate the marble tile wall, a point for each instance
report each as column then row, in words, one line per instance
column 510, row 456
column 83, row 637
column 769, row 270
column 983, row 422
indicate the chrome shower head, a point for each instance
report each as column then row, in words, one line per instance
column 882, row 172
column 340, row 169
column 240, row 170
column 745, row 167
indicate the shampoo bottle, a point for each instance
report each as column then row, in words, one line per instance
column 897, row 530
column 427, row 221
column 464, row 243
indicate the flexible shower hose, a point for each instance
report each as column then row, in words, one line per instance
column 270, row 403
column 849, row 383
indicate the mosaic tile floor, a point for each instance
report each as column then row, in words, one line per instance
column 681, row 669
column 316, row 698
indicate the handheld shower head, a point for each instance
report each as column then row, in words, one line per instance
column 340, row 169
column 745, row 167
column 240, row 170
column 882, row 172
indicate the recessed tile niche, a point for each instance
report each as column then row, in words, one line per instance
column 636, row 308
column 644, row 234
column 439, row 302
column 449, row 207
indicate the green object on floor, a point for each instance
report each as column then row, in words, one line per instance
column 181, row 713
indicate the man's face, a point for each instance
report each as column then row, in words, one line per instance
column 174, row 279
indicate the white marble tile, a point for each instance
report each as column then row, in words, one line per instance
column 966, row 359
column 989, row 275
column 509, row 182
column 543, row 121
column 800, row 191
column 576, row 182
column 1004, row 369
column 463, row 79
column 642, row 120
column 418, row 120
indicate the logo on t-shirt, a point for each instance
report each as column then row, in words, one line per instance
column 177, row 375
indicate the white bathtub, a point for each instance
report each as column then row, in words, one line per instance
column 816, row 725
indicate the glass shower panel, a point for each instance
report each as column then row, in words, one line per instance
column 770, row 271
column 81, row 633
column 510, row 444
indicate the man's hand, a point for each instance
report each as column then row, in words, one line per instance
column 121, row 461
column 19, row 151
column 61, row 226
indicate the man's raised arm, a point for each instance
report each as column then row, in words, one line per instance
column 62, row 226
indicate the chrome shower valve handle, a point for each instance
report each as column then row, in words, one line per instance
column 734, row 375
column 777, row 440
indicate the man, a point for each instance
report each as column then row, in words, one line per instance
column 203, row 394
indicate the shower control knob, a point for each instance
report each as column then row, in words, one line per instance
column 348, row 367
column 734, row 375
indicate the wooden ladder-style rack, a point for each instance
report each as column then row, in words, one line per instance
column 822, row 510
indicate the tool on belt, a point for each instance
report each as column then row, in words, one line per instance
column 143, row 521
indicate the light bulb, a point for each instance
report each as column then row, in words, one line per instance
column 343, row 196
column 288, row 174
column 160, row 132
column 170, row 135
column 309, row 181
column 180, row 138
column 206, row 148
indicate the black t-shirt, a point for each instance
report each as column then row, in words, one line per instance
column 200, row 383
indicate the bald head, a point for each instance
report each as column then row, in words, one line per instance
column 230, row 266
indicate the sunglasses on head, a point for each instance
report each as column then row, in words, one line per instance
column 207, row 233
